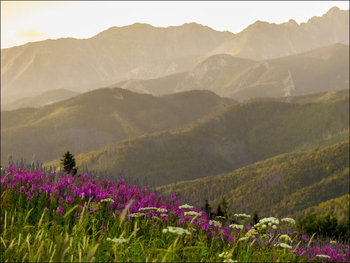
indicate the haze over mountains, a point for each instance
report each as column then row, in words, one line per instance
column 141, row 51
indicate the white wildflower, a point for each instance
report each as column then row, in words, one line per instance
column 274, row 227
column 243, row 238
column 162, row 215
column 162, row 210
column 117, row 240
column 137, row 214
column 284, row 245
column 323, row 256
column 333, row 242
column 235, row 226
column 192, row 213
column 271, row 220
column 176, row 230
column 220, row 217
column 224, row 254
column 185, row 206
column 148, row 208
column 230, row 260
column 251, row 232
column 215, row 223
column 107, row 200
column 288, row 220
column 286, row 238
column 242, row 215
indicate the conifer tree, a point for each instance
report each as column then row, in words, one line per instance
column 68, row 163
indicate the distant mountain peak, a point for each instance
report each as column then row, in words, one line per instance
column 333, row 10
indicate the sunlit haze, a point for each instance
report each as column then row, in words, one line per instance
column 27, row 21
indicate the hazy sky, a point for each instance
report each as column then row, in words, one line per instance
column 26, row 21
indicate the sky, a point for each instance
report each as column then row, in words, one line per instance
column 28, row 21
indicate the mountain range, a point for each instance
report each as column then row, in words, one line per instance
column 141, row 51
column 227, row 139
column 97, row 118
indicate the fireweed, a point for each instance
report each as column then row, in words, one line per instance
column 51, row 218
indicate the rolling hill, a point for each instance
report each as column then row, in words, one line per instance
column 286, row 185
column 221, row 142
column 97, row 118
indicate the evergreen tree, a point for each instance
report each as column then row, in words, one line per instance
column 207, row 208
column 68, row 163
column 255, row 218
column 219, row 211
column 224, row 206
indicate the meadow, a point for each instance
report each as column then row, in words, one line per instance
column 52, row 218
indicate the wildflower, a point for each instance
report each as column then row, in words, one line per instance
column 176, row 230
column 243, row 238
column 230, row 260
column 107, row 200
column 172, row 196
column 242, row 215
column 117, row 240
column 284, row 245
column 274, row 227
column 192, row 213
column 136, row 214
column 251, row 232
column 220, row 217
column 271, row 220
column 235, row 226
column 286, row 238
column 215, row 223
column 333, row 242
column 288, row 220
column 162, row 210
column 185, row 206
column 224, row 254
column 148, row 208
column 60, row 210
column 322, row 256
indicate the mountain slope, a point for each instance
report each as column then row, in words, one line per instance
column 262, row 40
column 119, row 53
column 141, row 51
column 97, row 118
column 40, row 100
column 224, row 141
column 322, row 69
column 284, row 185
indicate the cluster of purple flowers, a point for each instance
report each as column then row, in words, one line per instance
column 69, row 191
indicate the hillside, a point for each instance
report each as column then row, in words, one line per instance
column 232, row 138
column 322, row 69
column 45, row 98
column 97, row 118
column 263, row 40
column 116, row 54
column 286, row 185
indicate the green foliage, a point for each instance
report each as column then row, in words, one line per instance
column 326, row 226
column 226, row 140
column 68, row 163
column 284, row 185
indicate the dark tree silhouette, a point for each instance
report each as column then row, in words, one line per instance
column 68, row 163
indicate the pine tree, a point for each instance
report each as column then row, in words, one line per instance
column 68, row 163
column 207, row 208
column 224, row 206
